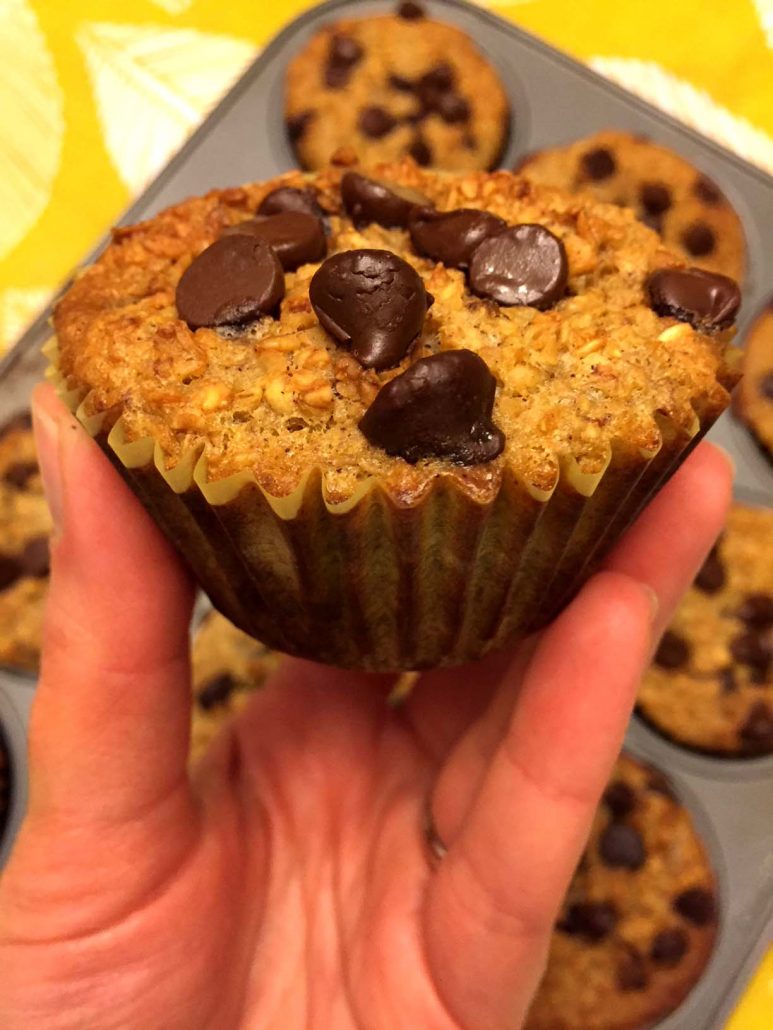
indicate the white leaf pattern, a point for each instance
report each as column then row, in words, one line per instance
column 690, row 105
column 174, row 6
column 765, row 14
column 153, row 86
column 31, row 123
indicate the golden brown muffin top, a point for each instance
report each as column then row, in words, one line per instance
column 597, row 368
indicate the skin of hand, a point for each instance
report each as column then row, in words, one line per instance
column 286, row 882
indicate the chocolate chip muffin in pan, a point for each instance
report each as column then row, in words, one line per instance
column 227, row 667
column 382, row 87
column 25, row 525
column 711, row 684
column 402, row 437
column 754, row 398
column 668, row 193
column 638, row 924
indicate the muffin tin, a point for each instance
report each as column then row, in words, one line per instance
column 554, row 100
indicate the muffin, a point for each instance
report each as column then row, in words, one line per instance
column 395, row 429
column 711, row 685
column 754, row 399
column 25, row 525
column 227, row 667
column 667, row 192
column 640, row 918
column 384, row 87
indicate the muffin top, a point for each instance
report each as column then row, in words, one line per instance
column 486, row 325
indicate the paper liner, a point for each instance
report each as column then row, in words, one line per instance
column 374, row 585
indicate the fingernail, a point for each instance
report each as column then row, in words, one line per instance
column 47, row 443
column 654, row 602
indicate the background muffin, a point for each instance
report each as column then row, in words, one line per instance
column 754, row 397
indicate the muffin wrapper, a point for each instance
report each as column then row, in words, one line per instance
column 375, row 585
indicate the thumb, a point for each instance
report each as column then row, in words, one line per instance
column 110, row 724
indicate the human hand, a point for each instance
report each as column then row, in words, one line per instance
column 288, row 882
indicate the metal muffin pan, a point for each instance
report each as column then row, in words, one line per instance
column 554, row 100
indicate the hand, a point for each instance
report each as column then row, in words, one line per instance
column 288, row 882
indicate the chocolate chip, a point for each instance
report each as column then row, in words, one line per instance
column 756, row 610
column 707, row 191
column 712, row 575
column 439, row 407
column 593, row 920
column 400, row 83
column 373, row 301
column 421, row 152
column 451, row 237
column 654, row 222
column 673, row 651
column 756, row 733
column 375, row 122
column 727, row 682
column 441, row 77
column 216, row 691
column 290, row 198
column 9, row 571
column 620, row 799
column 670, row 946
column 753, row 648
column 631, row 973
column 370, row 200
column 20, row 473
column 453, row 108
column 525, row 265
column 296, row 237
column 659, row 783
column 234, row 281
column 294, row 425
column 343, row 54
column 655, row 197
column 621, row 846
column 297, row 124
column 410, row 10
column 598, row 164
column 34, row 559
column 698, row 239
column 765, row 385
column 697, row 905
column 18, row 423
column 704, row 299
column 469, row 142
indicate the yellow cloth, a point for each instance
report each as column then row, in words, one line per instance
column 95, row 97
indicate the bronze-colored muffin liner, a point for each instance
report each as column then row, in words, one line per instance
column 374, row 585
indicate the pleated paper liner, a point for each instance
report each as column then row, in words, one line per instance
column 374, row 585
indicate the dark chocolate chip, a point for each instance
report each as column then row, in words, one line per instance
column 659, row 783
column 727, row 681
column 410, row 10
column 670, row 946
column 400, row 83
column 34, row 560
column 593, row 920
column 765, row 385
column 707, row 191
column 525, row 265
column 756, row 610
column 655, row 197
column 756, row 733
column 654, row 222
column 621, row 846
column 439, row 407
column 452, row 108
column 697, row 905
column 598, row 164
column 294, row 425
column 375, row 122
column 753, row 648
column 421, row 152
column 290, row 198
column 698, row 239
column 441, row 77
column 235, row 280
column 295, row 237
column 20, row 473
column 9, row 571
column 18, row 423
column 620, row 799
column 631, row 973
column 297, row 123
column 344, row 53
column 712, row 575
column 451, row 237
column 673, row 651
column 704, row 299
column 373, row 301
column 215, row 691
column 370, row 200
